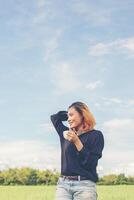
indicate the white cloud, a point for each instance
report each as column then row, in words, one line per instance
column 116, row 161
column 112, row 100
column 99, row 49
column 40, row 34
column 119, row 126
column 118, row 150
column 118, row 134
column 64, row 78
column 97, row 105
column 125, row 46
column 126, row 168
column 47, row 128
column 91, row 12
column 100, row 170
column 40, row 18
column 44, row 12
column 131, row 102
column 116, row 106
column 94, row 85
column 41, row 3
column 128, row 44
column 115, row 101
column 36, row 154
column 51, row 45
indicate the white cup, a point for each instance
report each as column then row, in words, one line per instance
column 65, row 134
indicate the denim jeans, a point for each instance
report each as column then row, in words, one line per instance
column 75, row 190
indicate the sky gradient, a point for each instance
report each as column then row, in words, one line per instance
column 55, row 52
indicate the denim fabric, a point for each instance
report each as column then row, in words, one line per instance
column 75, row 190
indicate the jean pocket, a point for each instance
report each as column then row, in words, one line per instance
column 88, row 183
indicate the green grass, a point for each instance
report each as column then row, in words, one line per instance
column 118, row 192
column 121, row 192
column 27, row 192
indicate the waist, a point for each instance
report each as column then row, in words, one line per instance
column 75, row 178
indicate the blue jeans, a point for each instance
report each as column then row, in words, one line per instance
column 75, row 190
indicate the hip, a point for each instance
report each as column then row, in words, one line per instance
column 75, row 182
column 75, row 189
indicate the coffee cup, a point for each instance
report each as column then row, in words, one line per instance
column 65, row 134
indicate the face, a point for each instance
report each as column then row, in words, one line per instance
column 74, row 118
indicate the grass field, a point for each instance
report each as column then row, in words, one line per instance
column 48, row 192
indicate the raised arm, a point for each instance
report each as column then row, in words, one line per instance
column 57, row 122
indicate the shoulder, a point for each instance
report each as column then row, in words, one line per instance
column 96, row 135
column 96, row 139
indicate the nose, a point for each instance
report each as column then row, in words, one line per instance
column 69, row 120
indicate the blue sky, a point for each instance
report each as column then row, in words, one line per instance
column 54, row 53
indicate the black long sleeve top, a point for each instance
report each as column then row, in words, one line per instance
column 83, row 162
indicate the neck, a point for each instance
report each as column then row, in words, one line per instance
column 81, row 130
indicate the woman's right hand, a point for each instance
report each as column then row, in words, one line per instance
column 63, row 115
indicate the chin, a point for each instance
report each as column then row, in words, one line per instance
column 72, row 127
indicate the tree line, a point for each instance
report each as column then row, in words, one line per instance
column 29, row 176
column 116, row 180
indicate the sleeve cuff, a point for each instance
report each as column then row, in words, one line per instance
column 63, row 115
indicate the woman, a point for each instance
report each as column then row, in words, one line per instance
column 81, row 148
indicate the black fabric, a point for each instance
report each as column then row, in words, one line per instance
column 74, row 162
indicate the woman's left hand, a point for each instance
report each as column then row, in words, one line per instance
column 72, row 137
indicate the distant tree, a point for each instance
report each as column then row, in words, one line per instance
column 1, row 178
column 23, row 175
column 121, row 179
column 29, row 176
column 108, row 180
column 130, row 180
column 10, row 177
